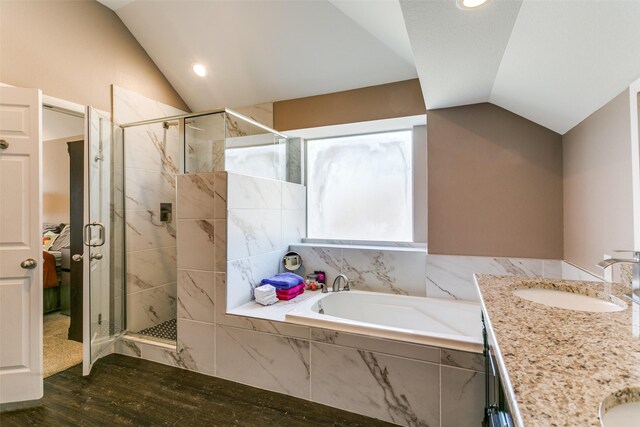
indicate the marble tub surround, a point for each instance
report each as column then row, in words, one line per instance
column 451, row 276
column 151, row 162
column 559, row 371
column 264, row 217
column 396, row 270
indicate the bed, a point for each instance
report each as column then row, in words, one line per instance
column 55, row 240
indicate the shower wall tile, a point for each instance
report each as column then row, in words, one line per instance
column 151, row 307
column 266, row 361
column 246, row 192
column 199, row 154
column 253, row 232
column 217, row 155
column 144, row 230
column 130, row 106
column 461, row 390
column 220, row 231
column 220, row 202
column 196, row 195
column 196, row 295
column 196, row 244
column 153, row 148
column 151, row 161
column 393, row 389
column 396, row 272
column 150, row 268
column 196, row 345
column 147, row 189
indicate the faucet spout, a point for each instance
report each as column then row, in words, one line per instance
column 336, row 283
column 605, row 263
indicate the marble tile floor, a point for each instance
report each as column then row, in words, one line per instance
column 122, row 390
column 166, row 330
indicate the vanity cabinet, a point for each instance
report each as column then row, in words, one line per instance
column 497, row 413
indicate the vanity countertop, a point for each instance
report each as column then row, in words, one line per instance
column 560, row 364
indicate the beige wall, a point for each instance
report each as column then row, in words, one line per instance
column 55, row 180
column 494, row 184
column 598, row 210
column 75, row 50
column 399, row 99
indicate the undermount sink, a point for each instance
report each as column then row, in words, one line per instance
column 570, row 300
column 621, row 409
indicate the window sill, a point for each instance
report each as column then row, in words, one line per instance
column 364, row 244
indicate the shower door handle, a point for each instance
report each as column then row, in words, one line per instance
column 87, row 234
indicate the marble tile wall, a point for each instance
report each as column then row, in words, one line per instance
column 264, row 217
column 451, row 277
column 151, row 157
column 403, row 383
column 201, row 262
column 397, row 270
column 258, row 220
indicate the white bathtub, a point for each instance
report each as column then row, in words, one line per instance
column 429, row 321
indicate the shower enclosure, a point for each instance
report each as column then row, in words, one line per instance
column 154, row 152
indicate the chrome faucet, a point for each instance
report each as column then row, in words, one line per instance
column 635, row 278
column 336, row 283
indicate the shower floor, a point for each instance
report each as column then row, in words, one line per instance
column 166, row 330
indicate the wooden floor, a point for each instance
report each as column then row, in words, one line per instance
column 123, row 390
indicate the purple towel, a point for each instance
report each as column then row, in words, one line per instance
column 283, row 281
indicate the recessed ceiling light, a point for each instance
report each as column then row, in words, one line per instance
column 470, row 4
column 199, row 70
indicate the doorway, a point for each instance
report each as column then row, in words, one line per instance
column 62, row 135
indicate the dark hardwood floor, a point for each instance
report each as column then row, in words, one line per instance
column 123, row 390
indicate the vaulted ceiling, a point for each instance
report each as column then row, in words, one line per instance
column 553, row 62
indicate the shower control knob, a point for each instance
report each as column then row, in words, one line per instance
column 77, row 257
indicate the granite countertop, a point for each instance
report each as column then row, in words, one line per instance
column 560, row 364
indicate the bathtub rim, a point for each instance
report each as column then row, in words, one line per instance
column 304, row 315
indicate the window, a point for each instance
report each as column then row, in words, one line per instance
column 360, row 187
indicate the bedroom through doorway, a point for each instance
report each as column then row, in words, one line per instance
column 62, row 207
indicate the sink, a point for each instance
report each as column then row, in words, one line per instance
column 571, row 300
column 621, row 409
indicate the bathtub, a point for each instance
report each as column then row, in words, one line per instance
column 428, row 321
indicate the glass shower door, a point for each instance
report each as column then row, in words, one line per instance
column 102, row 302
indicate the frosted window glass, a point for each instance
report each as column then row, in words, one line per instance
column 262, row 156
column 360, row 187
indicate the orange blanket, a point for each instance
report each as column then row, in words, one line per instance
column 49, row 276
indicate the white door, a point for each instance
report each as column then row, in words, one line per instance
column 20, row 244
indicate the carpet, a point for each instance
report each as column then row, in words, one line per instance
column 59, row 352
